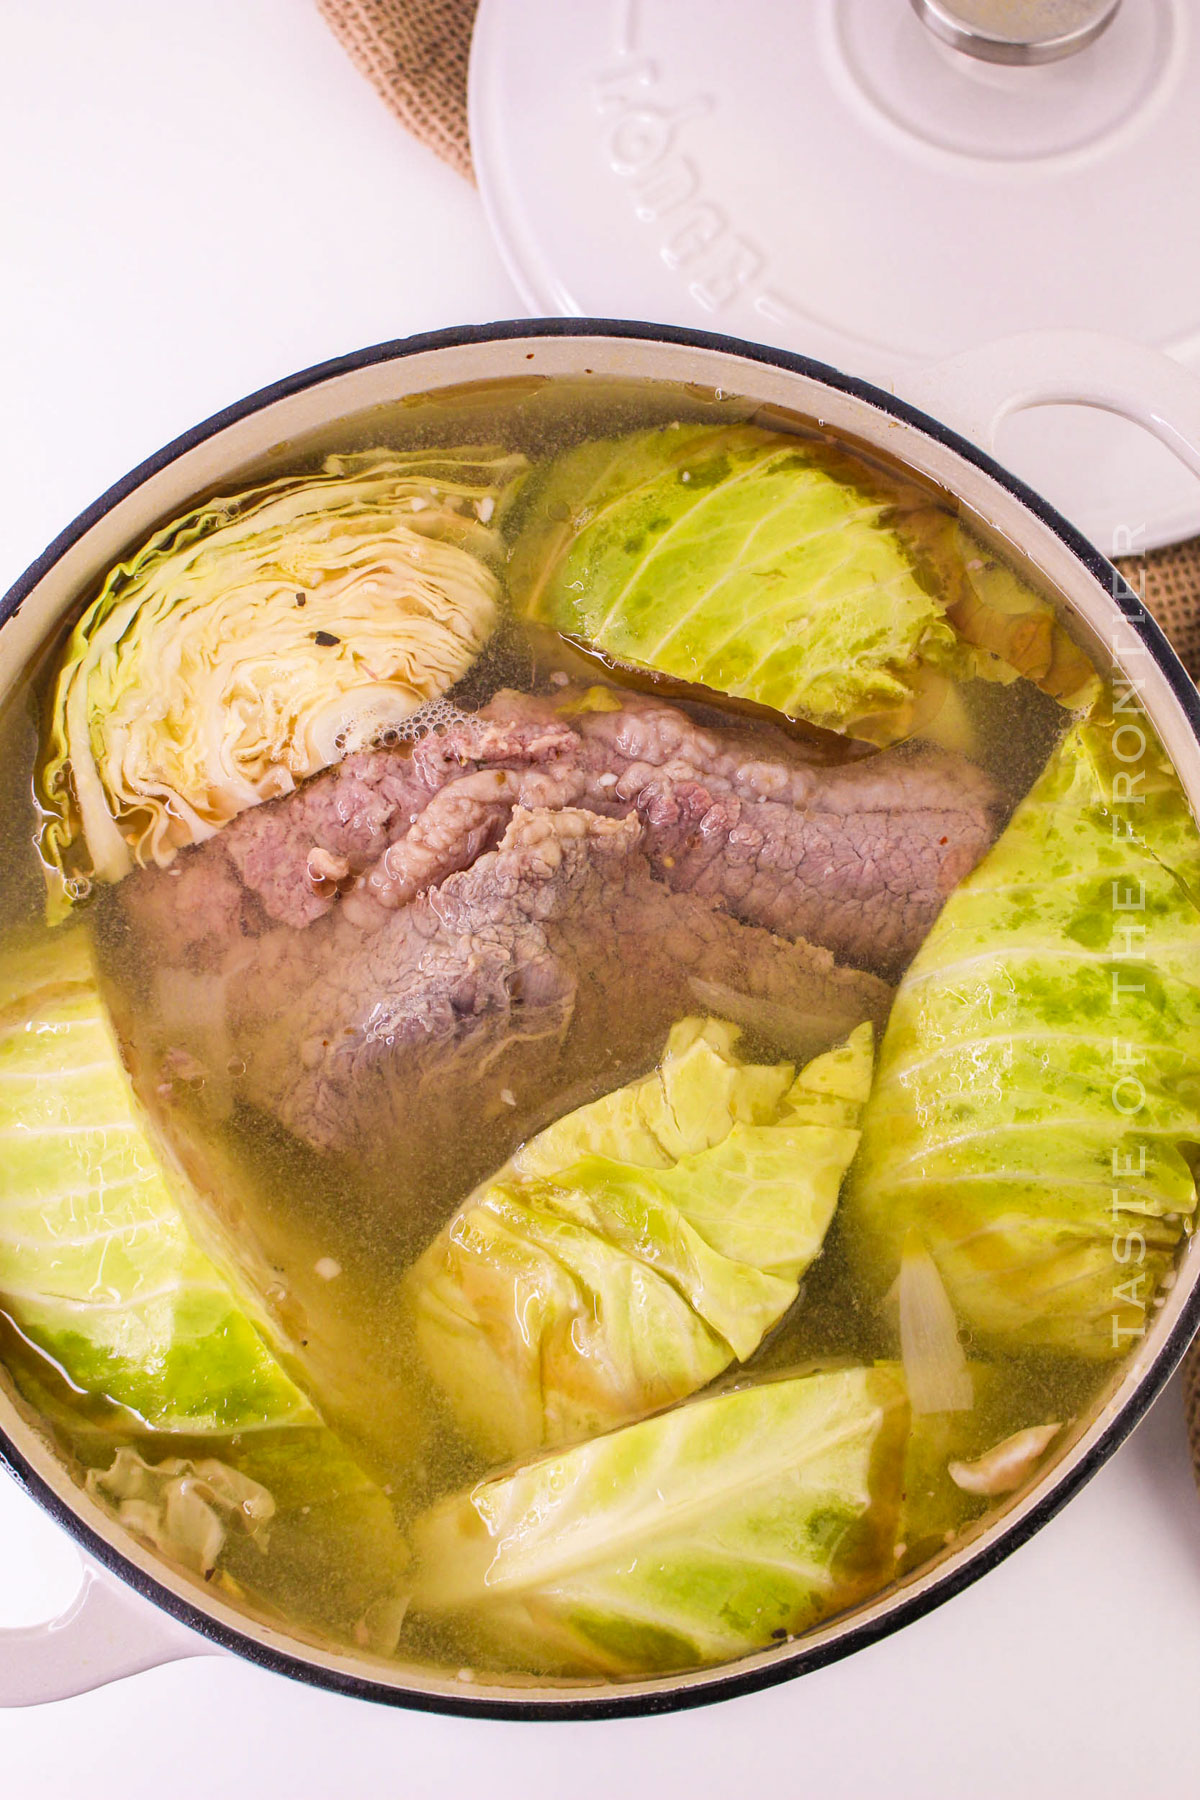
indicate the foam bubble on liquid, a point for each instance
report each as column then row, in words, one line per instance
column 434, row 715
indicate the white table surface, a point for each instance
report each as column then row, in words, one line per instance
column 197, row 196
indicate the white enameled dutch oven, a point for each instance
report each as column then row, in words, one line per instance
column 133, row 1611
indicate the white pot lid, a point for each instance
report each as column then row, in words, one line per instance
column 827, row 176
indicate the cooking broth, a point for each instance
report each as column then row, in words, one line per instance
column 338, row 1233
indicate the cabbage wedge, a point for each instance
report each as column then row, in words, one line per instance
column 752, row 563
column 255, row 640
column 698, row 1535
column 1036, row 1111
column 640, row 1245
column 102, row 1277
column 97, row 1264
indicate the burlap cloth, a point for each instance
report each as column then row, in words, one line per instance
column 415, row 55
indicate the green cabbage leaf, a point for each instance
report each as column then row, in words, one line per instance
column 698, row 1535
column 1036, row 1109
column 103, row 1279
column 731, row 558
column 749, row 562
column 255, row 640
column 638, row 1246
column 97, row 1264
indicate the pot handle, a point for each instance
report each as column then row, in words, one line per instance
column 106, row 1632
column 975, row 391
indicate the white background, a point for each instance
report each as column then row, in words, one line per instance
column 197, row 196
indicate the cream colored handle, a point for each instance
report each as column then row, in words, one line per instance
column 106, row 1633
column 977, row 390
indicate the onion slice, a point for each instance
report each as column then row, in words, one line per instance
column 935, row 1364
column 1005, row 1466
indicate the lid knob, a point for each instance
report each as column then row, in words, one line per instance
column 1017, row 31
